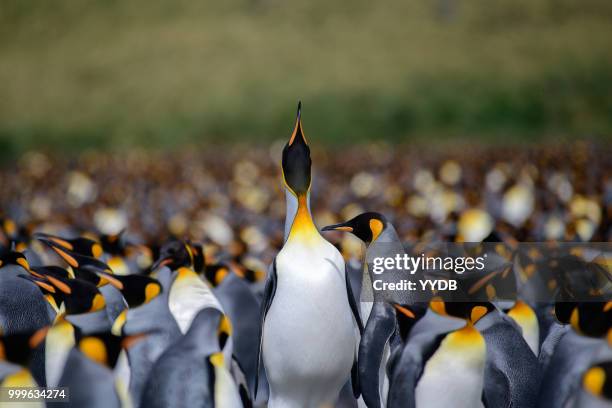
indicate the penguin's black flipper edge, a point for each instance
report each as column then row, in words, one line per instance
column 379, row 329
column 352, row 301
column 269, row 292
column 355, row 380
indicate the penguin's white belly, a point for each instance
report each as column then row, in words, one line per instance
column 453, row 377
column 309, row 337
column 187, row 298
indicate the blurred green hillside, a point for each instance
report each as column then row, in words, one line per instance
column 80, row 73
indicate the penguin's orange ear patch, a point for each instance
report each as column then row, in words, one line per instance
column 38, row 337
column 405, row 311
column 477, row 313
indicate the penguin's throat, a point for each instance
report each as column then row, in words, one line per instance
column 303, row 227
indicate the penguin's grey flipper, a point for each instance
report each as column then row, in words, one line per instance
column 379, row 329
column 352, row 301
column 495, row 392
column 406, row 367
column 269, row 293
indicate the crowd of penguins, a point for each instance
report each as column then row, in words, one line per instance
column 120, row 323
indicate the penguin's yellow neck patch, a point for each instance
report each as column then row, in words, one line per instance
column 186, row 273
column 521, row 312
column 95, row 349
column 593, row 380
column 469, row 336
column 21, row 378
column 303, row 228
column 151, row 291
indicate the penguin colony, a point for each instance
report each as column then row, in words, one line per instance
column 121, row 323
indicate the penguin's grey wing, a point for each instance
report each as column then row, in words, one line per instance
column 355, row 380
column 496, row 389
column 352, row 301
column 379, row 329
column 269, row 293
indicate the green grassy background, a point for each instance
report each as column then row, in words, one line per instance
column 111, row 73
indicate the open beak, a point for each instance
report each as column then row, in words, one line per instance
column 338, row 227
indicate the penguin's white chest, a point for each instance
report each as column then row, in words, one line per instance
column 309, row 332
column 453, row 376
column 187, row 298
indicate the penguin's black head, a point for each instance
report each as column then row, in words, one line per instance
column 17, row 348
column 139, row 289
column 74, row 259
column 113, row 244
column 216, row 273
column 80, row 245
column 367, row 226
column 592, row 319
column 14, row 258
column 407, row 315
column 597, row 380
column 174, row 254
column 79, row 296
column 296, row 161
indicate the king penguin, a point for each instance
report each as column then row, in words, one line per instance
column 443, row 363
column 381, row 329
column 309, row 317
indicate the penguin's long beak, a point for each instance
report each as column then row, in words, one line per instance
column 161, row 262
column 51, row 240
column 343, row 226
column 297, row 129
column 61, row 250
column 108, row 278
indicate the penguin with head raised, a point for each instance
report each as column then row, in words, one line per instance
column 198, row 357
column 308, row 311
column 382, row 318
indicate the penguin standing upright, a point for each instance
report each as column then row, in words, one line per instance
column 381, row 329
column 309, row 329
